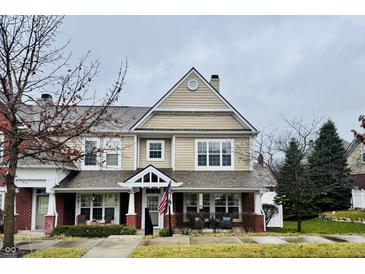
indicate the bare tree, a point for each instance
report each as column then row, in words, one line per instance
column 43, row 129
column 273, row 144
column 360, row 137
column 270, row 211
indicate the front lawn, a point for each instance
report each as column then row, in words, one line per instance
column 62, row 252
column 317, row 226
column 295, row 250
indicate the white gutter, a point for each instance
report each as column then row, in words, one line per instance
column 79, row 189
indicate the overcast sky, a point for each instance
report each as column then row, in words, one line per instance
column 295, row 66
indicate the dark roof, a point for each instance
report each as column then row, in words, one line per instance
column 31, row 162
column 260, row 177
column 358, row 180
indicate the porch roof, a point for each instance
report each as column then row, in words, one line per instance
column 258, row 178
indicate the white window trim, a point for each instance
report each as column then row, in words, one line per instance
column 231, row 167
column 119, row 152
column 362, row 151
column 116, row 208
column 1, row 148
column 2, row 204
column 162, row 142
column 97, row 166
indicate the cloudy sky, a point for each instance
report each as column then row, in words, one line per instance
column 295, row 66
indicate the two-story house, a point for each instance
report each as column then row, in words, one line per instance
column 192, row 137
column 356, row 161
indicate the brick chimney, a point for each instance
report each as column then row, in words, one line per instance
column 214, row 81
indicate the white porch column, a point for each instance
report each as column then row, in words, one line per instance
column 51, row 204
column 258, row 203
column 131, row 209
column 172, row 204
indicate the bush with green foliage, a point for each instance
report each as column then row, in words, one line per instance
column 93, row 231
column 164, row 232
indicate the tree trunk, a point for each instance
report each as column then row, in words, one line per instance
column 299, row 223
column 10, row 195
column 9, row 217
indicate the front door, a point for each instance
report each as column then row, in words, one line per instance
column 41, row 210
column 152, row 205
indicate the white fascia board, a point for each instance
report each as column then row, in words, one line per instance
column 90, row 189
column 231, row 189
column 197, row 132
column 129, row 185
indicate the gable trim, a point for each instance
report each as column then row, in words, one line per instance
column 241, row 119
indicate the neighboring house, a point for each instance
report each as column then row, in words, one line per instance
column 192, row 137
column 356, row 162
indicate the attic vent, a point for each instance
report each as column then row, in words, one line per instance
column 192, row 85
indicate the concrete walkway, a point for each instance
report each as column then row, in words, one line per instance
column 114, row 247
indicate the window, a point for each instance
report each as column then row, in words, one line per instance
column 155, row 150
column 363, row 153
column 91, row 154
column 112, row 153
column 98, row 207
column 214, row 155
column 227, row 203
column 197, row 202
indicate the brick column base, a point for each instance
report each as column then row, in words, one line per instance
column 132, row 220
column 259, row 223
column 49, row 224
column 166, row 221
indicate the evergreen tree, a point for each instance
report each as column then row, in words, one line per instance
column 294, row 191
column 328, row 170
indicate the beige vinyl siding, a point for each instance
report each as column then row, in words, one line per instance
column 354, row 161
column 183, row 98
column 242, row 153
column 185, row 152
column 224, row 121
column 166, row 163
column 127, row 152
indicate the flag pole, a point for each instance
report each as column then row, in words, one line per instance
column 169, row 202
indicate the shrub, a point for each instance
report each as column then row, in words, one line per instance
column 164, row 232
column 93, row 231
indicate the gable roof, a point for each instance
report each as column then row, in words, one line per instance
column 355, row 142
column 239, row 116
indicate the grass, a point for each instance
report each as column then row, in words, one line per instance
column 62, row 252
column 295, row 250
column 317, row 226
column 352, row 214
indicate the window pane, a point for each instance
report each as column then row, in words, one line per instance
column 233, row 210
column 110, row 200
column 155, row 154
column 233, row 199
column 191, row 199
column 146, row 178
column 363, row 157
column 155, row 146
column 90, row 154
column 97, row 213
column 226, row 160
column 154, row 178
column 220, row 199
column 202, row 148
column 226, row 147
column 214, row 148
column 112, row 159
column 191, row 209
column 109, row 213
column 214, row 160
column 85, row 211
column 97, row 200
column 85, row 200
column 202, row 160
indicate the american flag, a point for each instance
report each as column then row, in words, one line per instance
column 162, row 207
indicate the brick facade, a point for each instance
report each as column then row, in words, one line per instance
column 49, row 224
column 133, row 220
column 24, row 209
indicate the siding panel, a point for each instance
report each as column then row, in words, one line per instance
column 183, row 98
column 159, row 164
column 193, row 121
